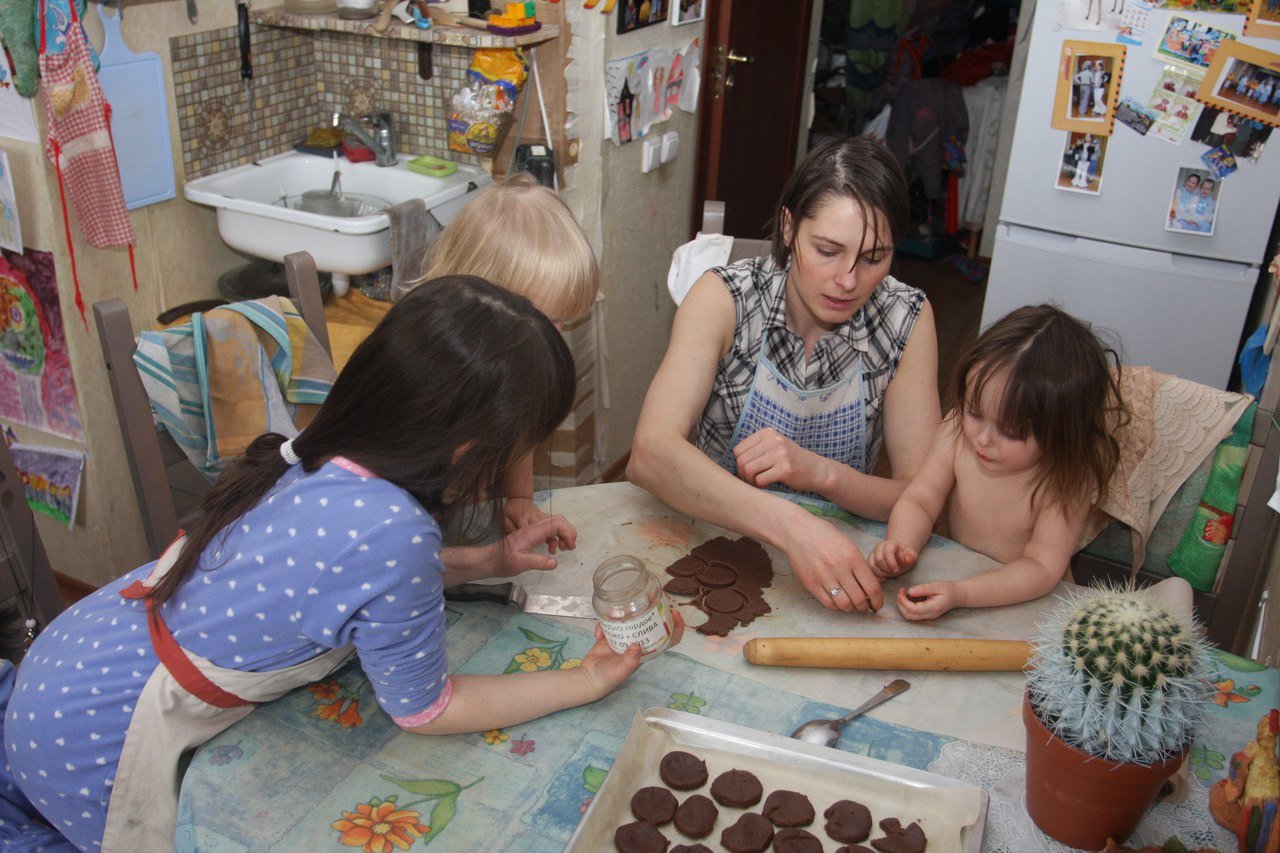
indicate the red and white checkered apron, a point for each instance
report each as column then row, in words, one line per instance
column 80, row 145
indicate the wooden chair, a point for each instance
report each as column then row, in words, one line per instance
column 25, row 574
column 167, row 486
column 713, row 223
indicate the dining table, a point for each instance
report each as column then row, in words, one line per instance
column 290, row 775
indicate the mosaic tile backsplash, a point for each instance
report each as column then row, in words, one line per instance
column 299, row 80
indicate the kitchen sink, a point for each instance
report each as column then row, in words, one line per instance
column 263, row 208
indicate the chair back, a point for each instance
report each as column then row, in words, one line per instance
column 168, row 488
column 713, row 223
column 25, row 573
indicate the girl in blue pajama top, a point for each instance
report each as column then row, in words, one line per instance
column 309, row 550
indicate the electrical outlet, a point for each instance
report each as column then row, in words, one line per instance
column 651, row 154
column 670, row 145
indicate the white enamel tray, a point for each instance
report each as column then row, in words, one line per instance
column 952, row 814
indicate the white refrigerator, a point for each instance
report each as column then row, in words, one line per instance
column 1176, row 301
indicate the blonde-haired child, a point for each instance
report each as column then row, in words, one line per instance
column 1017, row 464
column 521, row 236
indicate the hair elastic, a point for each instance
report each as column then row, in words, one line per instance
column 286, row 451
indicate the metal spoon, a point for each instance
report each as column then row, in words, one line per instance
column 827, row 732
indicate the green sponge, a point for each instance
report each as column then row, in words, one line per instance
column 432, row 166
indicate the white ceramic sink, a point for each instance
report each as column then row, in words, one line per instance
column 253, row 218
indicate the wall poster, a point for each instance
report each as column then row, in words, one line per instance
column 36, row 385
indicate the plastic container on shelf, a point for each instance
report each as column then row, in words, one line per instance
column 310, row 7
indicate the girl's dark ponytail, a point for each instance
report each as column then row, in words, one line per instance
column 237, row 491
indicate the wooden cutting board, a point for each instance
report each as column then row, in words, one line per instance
column 133, row 84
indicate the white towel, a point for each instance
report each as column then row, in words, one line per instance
column 693, row 259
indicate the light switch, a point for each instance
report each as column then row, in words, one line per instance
column 652, row 150
column 670, row 145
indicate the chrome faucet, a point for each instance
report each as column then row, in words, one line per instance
column 382, row 141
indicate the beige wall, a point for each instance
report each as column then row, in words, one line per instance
column 635, row 220
column 179, row 256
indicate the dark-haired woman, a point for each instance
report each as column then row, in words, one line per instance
column 791, row 371
column 308, row 550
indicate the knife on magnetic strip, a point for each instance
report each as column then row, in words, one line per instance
column 576, row 606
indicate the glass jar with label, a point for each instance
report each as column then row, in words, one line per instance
column 631, row 606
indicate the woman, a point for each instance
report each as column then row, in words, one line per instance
column 309, row 550
column 818, row 336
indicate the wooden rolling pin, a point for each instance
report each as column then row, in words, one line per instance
column 897, row 653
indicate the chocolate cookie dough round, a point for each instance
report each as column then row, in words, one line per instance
column 739, row 789
column 696, row 816
column 724, row 600
column 717, row 575
column 788, row 808
column 691, row 848
column 750, row 834
column 639, row 837
column 848, row 821
column 899, row 838
column 683, row 771
column 653, row 805
column 792, row 839
column 854, row 848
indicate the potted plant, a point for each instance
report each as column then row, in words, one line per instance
column 1115, row 690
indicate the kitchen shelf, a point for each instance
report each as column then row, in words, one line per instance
column 466, row 37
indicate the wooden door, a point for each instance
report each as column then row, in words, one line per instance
column 753, row 91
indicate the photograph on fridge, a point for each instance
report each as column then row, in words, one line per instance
column 1080, row 169
column 1088, row 86
column 1244, row 137
column 1245, row 80
column 1263, row 19
column 1189, row 43
column 1194, row 204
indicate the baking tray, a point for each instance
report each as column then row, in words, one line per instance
column 952, row 814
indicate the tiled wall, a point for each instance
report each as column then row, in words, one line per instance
column 299, row 79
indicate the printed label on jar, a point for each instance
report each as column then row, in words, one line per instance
column 650, row 631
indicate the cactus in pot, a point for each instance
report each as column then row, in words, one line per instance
column 1119, row 680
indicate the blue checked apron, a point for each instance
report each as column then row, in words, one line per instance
column 829, row 421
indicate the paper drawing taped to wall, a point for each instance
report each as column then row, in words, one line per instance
column 624, row 96
column 50, row 479
column 36, row 385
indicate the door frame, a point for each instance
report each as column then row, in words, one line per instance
column 716, row 32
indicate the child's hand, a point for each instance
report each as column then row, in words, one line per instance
column 518, row 513
column 515, row 552
column 891, row 558
column 606, row 669
column 928, row 600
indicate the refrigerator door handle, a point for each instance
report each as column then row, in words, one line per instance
column 1215, row 268
column 1052, row 240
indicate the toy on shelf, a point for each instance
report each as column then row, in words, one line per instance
column 1246, row 802
column 516, row 20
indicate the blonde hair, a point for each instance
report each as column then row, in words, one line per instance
column 520, row 235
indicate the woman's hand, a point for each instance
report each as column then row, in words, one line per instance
column 767, row 457
column 606, row 669
column 514, row 554
column 891, row 558
column 824, row 560
column 928, row 600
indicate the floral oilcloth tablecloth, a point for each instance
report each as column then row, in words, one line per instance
column 324, row 768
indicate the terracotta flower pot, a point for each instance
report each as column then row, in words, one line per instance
column 1083, row 800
